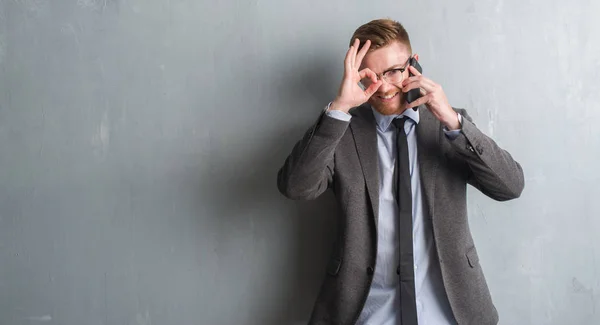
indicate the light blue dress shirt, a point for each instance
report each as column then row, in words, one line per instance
column 383, row 302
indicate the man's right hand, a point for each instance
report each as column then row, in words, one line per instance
column 350, row 93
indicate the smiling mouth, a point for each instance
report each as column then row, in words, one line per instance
column 387, row 98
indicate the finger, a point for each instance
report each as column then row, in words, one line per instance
column 411, row 85
column 354, row 50
column 348, row 60
column 429, row 87
column 421, row 77
column 421, row 81
column 423, row 100
column 363, row 51
column 410, row 79
column 366, row 72
column 373, row 88
column 414, row 70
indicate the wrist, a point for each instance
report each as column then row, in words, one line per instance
column 336, row 105
column 452, row 122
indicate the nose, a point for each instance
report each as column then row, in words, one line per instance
column 386, row 86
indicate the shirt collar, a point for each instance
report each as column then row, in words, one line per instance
column 384, row 121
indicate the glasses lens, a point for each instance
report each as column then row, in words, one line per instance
column 393, row 76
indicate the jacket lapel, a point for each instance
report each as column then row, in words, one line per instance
column 365, row 137
column 363, row 130
column 428, row 137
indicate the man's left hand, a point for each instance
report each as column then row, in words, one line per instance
column 433, row 97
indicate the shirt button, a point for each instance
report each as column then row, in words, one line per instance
column 370, row 270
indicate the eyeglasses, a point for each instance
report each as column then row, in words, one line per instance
column 392, row 76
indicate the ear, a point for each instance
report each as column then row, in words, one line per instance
column 416, row 57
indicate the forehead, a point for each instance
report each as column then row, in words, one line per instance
column 385, row 57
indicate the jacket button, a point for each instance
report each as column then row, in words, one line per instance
column 370, row 270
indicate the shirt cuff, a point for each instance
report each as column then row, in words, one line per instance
column 453, row 134
column 338, row 115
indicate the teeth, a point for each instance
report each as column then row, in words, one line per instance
column 388, row 96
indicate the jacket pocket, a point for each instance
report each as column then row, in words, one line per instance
column 472, row 257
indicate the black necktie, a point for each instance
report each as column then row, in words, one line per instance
column 404, row 200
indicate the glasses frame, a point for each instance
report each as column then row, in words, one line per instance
column 382, row 76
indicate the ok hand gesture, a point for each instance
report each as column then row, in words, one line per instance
column 350, row 93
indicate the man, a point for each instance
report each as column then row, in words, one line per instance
column 404, row 252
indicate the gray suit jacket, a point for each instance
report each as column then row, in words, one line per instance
column 342, row 156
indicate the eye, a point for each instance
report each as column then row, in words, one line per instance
column 393, row 73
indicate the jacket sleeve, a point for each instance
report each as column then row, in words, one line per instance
column 492, row 170
column 308, row 170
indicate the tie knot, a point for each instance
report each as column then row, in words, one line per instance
column 399, row 122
